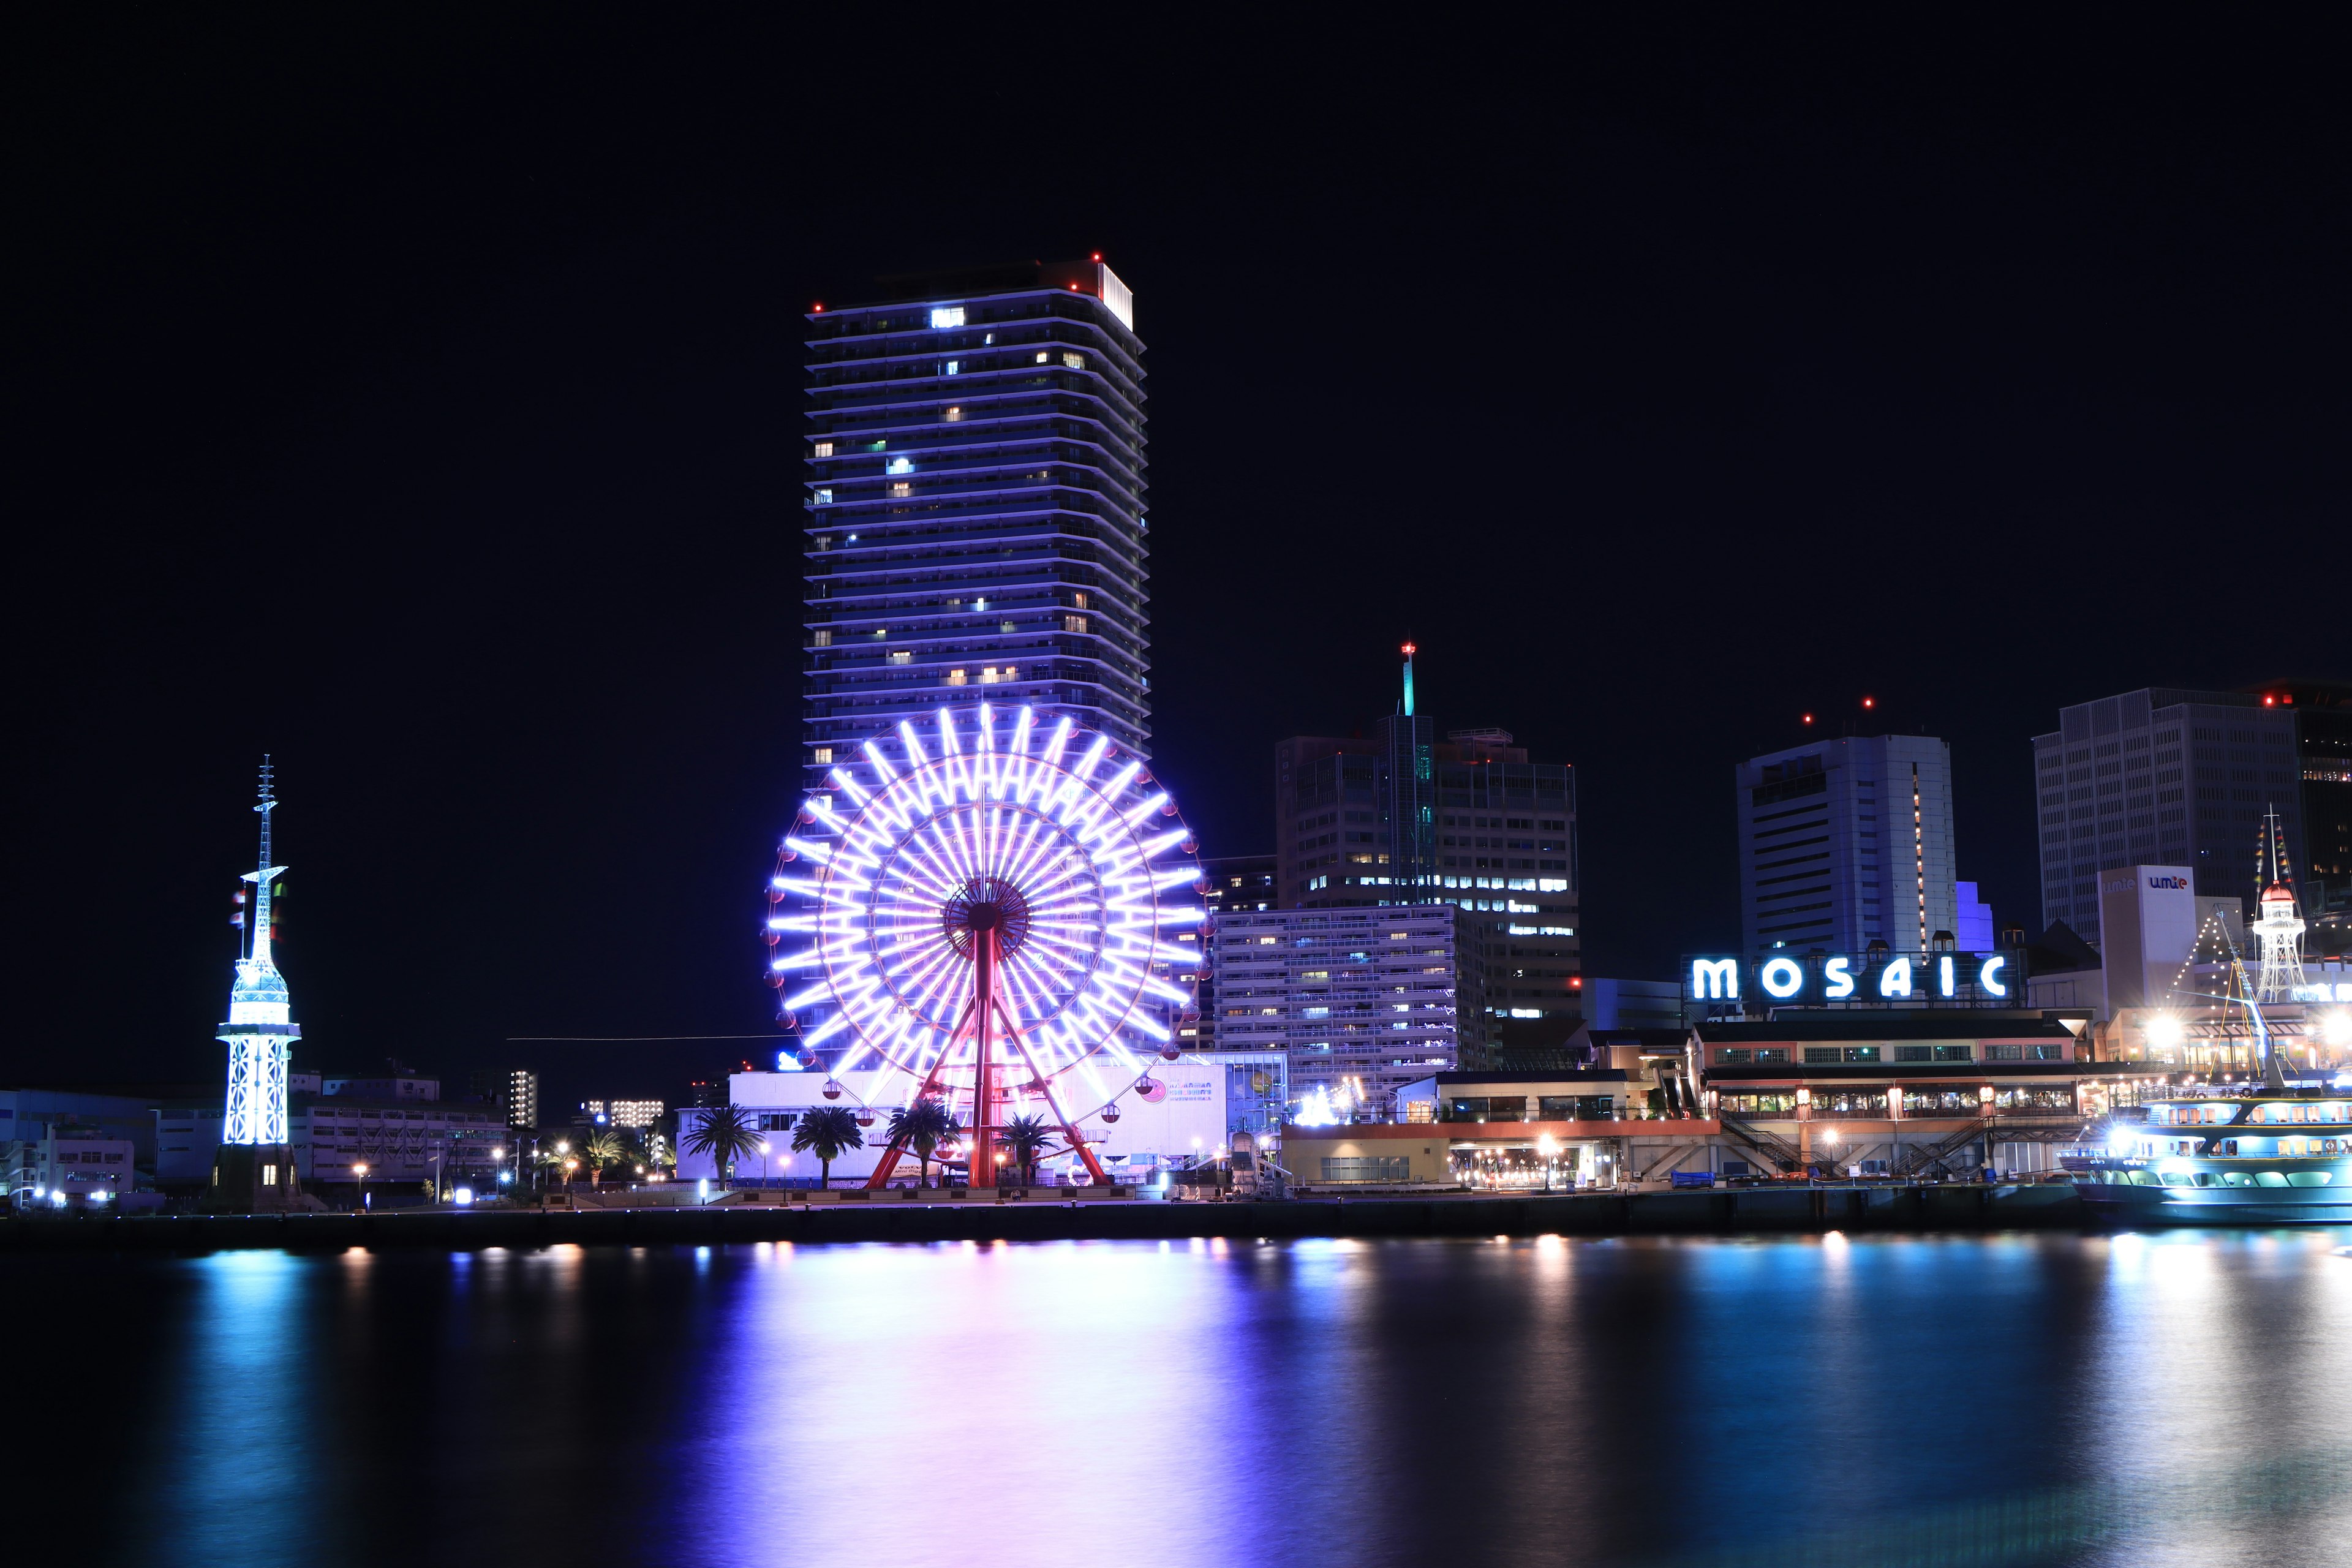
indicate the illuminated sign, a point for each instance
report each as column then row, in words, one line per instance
column 1819, row 979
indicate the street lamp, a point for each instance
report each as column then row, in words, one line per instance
column 1547, row 1147
column 359, row 1172
column 765, row 1147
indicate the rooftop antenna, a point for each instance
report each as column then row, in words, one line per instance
column 261, row 878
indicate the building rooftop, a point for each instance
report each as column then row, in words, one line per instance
column 1794, row 1026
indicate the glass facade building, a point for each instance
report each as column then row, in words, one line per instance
column 974, row 505
column 2162, row 777
column 1846, row 842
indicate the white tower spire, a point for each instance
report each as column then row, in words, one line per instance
column 260, row 1032
column 2279, row 924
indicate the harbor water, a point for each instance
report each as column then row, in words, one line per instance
column 2183, row 1397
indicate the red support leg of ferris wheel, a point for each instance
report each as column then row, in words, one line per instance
column 890, row 1156
column 1061, row 1118
column 982, row 1157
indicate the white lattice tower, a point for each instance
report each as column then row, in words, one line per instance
column 260, row 1032
column 2279, row 925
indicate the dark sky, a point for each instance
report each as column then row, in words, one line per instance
column 416, row 397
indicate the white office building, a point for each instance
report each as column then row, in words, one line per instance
column 1848, row 841
column 69, row 1167
column 1360, row 1001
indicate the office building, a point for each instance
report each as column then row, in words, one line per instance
column 1241, row 882
column 1632, row 1004
column 398, row 1086
column 1845, row 842
column 2162, row 776
column 69, row 1167
column 1406, row 818
column 1362, row 1000
column 975, row 505
column 1229, row 882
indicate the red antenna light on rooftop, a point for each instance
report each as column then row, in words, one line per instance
column 2268, row 701
column 1870, row 702
column 1808, row 718
column 1098, row 256
column 1409, row 650
column 819, row 307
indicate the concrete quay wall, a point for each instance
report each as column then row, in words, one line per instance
column 1740, row 1211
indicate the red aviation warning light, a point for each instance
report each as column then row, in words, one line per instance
column 1808, row 718
column 1870, row 702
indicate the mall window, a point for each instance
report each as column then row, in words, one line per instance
column 1367, row 1168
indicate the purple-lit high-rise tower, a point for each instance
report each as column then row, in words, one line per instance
column 974, row 505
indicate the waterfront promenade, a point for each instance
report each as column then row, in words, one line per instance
column 1740, row 1210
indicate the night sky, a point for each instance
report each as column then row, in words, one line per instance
column 417, row 398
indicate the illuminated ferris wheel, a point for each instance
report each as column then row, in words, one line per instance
column 999, row 918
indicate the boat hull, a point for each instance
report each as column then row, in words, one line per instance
column 2117, row 1202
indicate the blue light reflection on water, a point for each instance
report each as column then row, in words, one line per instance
column 1316, row 1402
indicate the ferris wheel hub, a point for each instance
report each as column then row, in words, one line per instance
column 986, row 904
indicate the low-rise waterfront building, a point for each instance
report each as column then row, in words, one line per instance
column 1904, row 1093
column 1559, row 1130
column 1185, row 1111
column 422, row 1142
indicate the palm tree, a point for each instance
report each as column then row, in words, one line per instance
column 1024, row 1138
column 827, row 1131
column 726, row 1134
column 923, row 1127
column 600, row 1152
column 559, row 1159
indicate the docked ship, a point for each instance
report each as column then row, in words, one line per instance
column 2274, row 1152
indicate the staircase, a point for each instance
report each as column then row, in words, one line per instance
column 1917, row 1158
column 1780, row 1155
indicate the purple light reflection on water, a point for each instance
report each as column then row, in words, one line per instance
column 1435, row 1403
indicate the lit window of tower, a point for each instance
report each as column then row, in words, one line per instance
column 974, row 505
